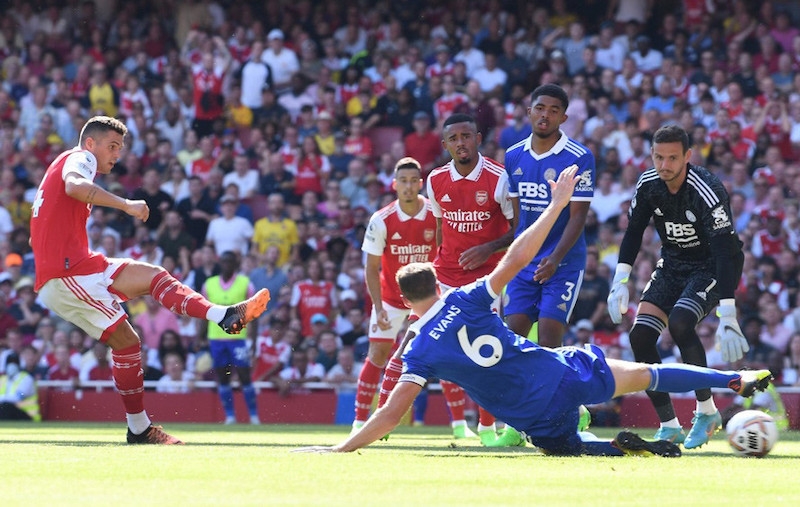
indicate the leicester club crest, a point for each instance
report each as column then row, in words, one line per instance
column 481, row 197
column 549, row 174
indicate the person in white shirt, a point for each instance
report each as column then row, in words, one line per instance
column 491, row 77
column 281, row 60
column 242, row 176
column 472, row 57
column 255, row 75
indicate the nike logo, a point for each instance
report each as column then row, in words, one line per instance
column 731, row 329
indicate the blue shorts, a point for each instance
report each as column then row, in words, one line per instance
column 587, row 380
column 553, row 299
column 229, row 352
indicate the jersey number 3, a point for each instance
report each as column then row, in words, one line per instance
column 473, row 349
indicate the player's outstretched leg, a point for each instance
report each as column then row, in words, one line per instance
column 633, row 444
column 241, row 314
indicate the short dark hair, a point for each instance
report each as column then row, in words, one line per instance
column 551, row 90
column 100, row 125
column 672, row 134
column 407, row 163
column 417, row 281
column 459, row 118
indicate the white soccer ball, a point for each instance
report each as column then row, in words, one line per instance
column 752, row 433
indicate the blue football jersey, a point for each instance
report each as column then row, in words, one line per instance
column 528, row 173
column 461, row 340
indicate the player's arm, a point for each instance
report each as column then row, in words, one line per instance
column 577, row 221
column 527, row 245
column 82, row 189
column 384, row 420
column 372, row 275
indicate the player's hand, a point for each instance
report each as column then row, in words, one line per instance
column 383, row 320
column 545, row 270
column 618, row 296
column 475, row 257
column 561, row 189
column 730, row 340
column 137, row 209
column 314, row 449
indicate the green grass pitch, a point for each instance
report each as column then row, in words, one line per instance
column 64, row 464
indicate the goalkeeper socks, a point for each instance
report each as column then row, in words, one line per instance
column 226, row 397
column 680, row 378
column 707, row 407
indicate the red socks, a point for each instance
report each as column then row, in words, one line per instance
column 126, row 367
column 455, row 399
column 178, row 298
column 485, row 418
column 366, row 387
column 390, row 377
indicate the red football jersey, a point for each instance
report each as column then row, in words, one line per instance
column 311, row 298
column 399, row 239
column 58, row 222
column 474, row 210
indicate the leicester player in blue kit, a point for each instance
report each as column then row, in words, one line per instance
column 535, row 389
column 547, row 289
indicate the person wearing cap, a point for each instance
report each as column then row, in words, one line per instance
column 772, row 239
column 19, row 397
column 87, row 289
column 282, row 61
column 700, row 267
column 13, row 264
column 647, row 59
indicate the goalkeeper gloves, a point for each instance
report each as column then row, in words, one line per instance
column 618, row 296
column 730, row 340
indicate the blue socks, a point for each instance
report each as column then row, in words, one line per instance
column 226, row 397
column 250, row 399
column 680, row 378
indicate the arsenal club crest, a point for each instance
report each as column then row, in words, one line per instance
column 481, row 197
column 429, row 234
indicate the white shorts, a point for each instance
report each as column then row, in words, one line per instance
column 495, row 304
column 397, row 318
column 88, row 300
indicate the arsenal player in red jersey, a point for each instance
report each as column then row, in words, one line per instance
column 400, row 233
column 86, row 288
column 475, row 221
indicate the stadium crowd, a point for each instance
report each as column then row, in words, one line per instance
column 271, row 129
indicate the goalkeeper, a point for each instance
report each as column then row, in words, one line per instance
column 700, row 267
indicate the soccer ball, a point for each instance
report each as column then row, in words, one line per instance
column 752, row 433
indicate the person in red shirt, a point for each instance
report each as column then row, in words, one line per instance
column 87, row 288
column 398, row 234
column 423, row 144
column 207, row 80
column 311, row 170
column 475, row 221
column 312, row 296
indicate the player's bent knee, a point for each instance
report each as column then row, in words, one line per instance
column 123, row 337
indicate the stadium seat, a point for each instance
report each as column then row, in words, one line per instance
column 383, row 137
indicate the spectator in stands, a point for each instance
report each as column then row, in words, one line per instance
column 19, row 400
column 98, row 366
column 157, row 200
column 176, row 379
column 346, row 370
column 424, row 144
column 207, row 80
column 229, row 232
column 25, row 310
column 299, row 373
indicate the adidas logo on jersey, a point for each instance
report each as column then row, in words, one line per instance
column 562, row 307
column 658, row 212
column 518, row 172
column 446, row 198
column 702, row 294
column 396, row 236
